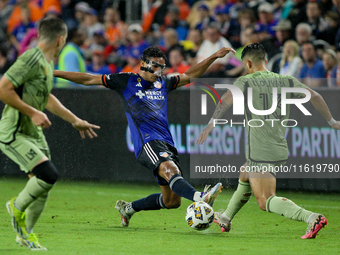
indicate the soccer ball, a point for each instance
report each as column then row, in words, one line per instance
column 199, row 215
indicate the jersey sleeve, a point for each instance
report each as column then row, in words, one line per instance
column 297, row 84
column 240, row 83
column 116, row 82
column 171, row 82
column 20, row 72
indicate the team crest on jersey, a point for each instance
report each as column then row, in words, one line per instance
column 157, row 84
column 164, row 154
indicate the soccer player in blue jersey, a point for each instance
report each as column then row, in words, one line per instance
column 144, row 97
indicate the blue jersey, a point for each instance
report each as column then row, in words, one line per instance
column 145, row 105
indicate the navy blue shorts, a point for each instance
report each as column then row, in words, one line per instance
column 156, row 152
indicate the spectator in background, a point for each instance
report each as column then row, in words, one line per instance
column 332, row 24
column 170, row 42
column 47, row 5
column 248, row 36
column 177, row 62
column 213, row 42
column 246, row 18
column 15, row 18
column 297, row 13
column 135, row 42
column 313, row 69
column 336, row 71
column 5, row 63
column 314, row 18
column 194, row 17
column 133, row 62
column 113, row 26
column 303, row 33
column 291, row 62
column 283, row 31
column 5, row 12
column 184, row 8
column 266, row 18
column 173, row 20
column 204, row 17
column 267, row 40
column 20, row 30
column 192, row 45
column 98, row 65
column 71, row 57
column 31, row 37
column 81, row 9
column 330, row 61
column 223, row 20
column 92, row 23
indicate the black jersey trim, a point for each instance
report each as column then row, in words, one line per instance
column 247, row 112
column 33, row 57
column 16, row 83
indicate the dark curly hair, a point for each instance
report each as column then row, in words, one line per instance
column 255, row 52
column 153, row 52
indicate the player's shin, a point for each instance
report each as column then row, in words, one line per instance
column 152, row 202
column 240, row 197
column 34, row 211
column 287, row 208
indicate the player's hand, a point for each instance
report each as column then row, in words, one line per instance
column 40, row 119
column 204, row 134
column 85, row 128
column 224, row 51
column 336, row 125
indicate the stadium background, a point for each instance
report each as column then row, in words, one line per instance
column 108, row 157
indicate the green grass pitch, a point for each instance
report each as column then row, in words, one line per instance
column 80, row 218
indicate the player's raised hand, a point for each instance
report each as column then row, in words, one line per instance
column 40, row 119
column 336, row 125
column 85, row 128
column 204, row 134
column 224, row 51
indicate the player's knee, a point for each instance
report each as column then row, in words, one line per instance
column 168, row 169
column 47, row 172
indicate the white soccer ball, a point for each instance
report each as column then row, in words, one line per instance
column 199, row 215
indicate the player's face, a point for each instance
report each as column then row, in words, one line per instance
column 157, row 66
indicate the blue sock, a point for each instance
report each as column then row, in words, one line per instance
column 181, row 187
column 152, row 202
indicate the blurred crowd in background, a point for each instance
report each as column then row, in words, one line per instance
column 301, row 37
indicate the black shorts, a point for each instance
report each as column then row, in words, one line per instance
column 154, row 153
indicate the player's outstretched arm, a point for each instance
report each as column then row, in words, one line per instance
column 321, row 106
column 199, row 69
column 11, row 98
column 221, row 109
column 81, row 78
column 57, row 108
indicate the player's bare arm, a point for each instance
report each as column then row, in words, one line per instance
column 81, row 78
column 199, row 69
column 321, row 106
column 57, row 108
column 11, row 98
column 221, row 109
